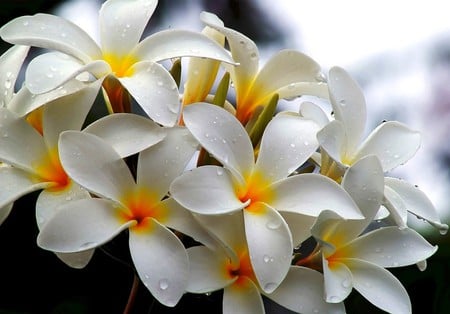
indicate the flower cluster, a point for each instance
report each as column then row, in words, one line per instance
column 216, row 188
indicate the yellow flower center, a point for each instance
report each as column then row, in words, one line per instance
column 256, row 191
column 121, row 65
column 50, row 169
column 243, row 269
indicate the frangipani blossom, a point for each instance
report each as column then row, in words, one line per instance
column 259, row 189
column 11, row 62
column 392, row 142
column 229, row 267
column 122, row 59
column 140, row 205
column 351, row 260
column 289, row 73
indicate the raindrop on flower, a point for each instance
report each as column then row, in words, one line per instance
column 273, row 224
column 270, row 286
column 334, row 299
column 163, row 284
column 219, row 171
column 266, row 258
column 292, row 145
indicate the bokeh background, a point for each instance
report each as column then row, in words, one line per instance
column 398, row 51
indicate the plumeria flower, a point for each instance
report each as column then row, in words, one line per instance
column 259, row 189
column 140, row 206
column 121, row 60
column 352, row 258
column 289, row 73
column 228, row 266
column 392, row 142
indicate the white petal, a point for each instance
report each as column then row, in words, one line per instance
column 297, row 89
column 314, row 112
column 348, row 104
column 391, row 247
column 10, row 62
column 288, row 141
column 52, row 32
column 379, row 287
column 333, row 140
column 20, row 143
column 396, row 206
column 68, row 113
column 180, row 219
column 329, row 231
column 244, row 52
column 300, row 226
column 51, row 70
column 81, row 225
column 302, row 291
column 127, row 133
column 206, row 190
column 338, row 281
column 269, row 244
column 160, row 260
column 222, row 135
column 160, row 164
column 242, row 298
column 16, row 183
column 93, row 164
column 24, row 101
column 207, row 270
column 49, row 201
column 5, row 211
column 122, row 24
column 392, row 142
column 416, row 202
column 304, row 193
column 173, row 43
column 284, row 68
column 76, row 260
column 155, row 91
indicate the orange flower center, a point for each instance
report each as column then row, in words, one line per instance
column 50, row 169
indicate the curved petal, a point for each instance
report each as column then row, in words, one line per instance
column 396, row 206
column 390, row 247
column 11, row 62
column 155, row 90
column 20, row 143
column 81, row 225
column 392, row 142
column 333, row 141
column 122, row 24
column 269, row 244
column 206, row 190
column 284, row 68
column 127, row 133
column 76, row 260
column 52, row 32
column 160, row 164
column 222, row 135
column 67, row 113
column 379, row 287
column 348, row 104
column 173, row 43
column 244, row 52
column 288, row 141
column 160, row 260
column 51, row 70
column 338, row 281
column 299, row 225
column 242, row 297
column 416, row 202
column 207, row 270
column 16, row 183
column 314, row 88
column 303, row 194
column 302, row 291
column 313, row 112
column 5, row 211
column 49, row 201
column 93, row 164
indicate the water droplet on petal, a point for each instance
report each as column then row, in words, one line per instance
column 163, row 284
column 292, row 145
column 270, row 286
column 273, row 224
column 219, row 171
column 333, row 299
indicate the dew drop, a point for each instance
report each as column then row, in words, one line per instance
column 333, row 299
column 273, row 224
column 266, row 258
column 26, row 23
column 346, row 283
column 163, row 284
column 292, row 145
column 160, row 83
column 219, row 171
column 270, row 286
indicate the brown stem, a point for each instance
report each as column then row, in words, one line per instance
column 132, row 295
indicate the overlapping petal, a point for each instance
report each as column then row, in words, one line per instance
column 52, row 32
column 93, row 164
column 333, row 141
column 270, row 245
column 160, row 260
column 288, row 141
column 81, row 225
column 243, row 297
column 5, row 211
column 10, row 62
column 338, row 281
column 313, row 112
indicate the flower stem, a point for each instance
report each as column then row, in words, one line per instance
column 132, row 295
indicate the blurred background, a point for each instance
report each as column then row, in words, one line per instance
column 399, row 52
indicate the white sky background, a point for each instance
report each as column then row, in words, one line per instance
column 386, row 45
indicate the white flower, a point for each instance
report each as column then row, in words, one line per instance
column 351, row 260
column 289, row 73
column 229, row 267
column 140, row 206
column 121, row 55
column 10, row 64
column 262, row 188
